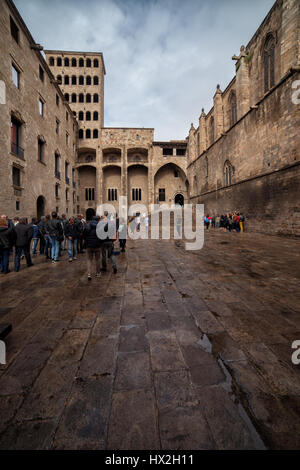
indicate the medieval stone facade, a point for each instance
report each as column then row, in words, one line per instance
column 245, row 154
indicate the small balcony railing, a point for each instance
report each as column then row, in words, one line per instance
column 15, row 149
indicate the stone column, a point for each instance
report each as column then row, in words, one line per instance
column 218, row 113
column 242, row 83
column 191, row 144
column 203, row 132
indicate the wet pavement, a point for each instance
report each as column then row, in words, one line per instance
column 178, row 350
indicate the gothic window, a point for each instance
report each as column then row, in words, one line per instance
column 269, row 62
column 228, row 173
column 232, row 108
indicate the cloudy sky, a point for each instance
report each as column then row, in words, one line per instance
column 163, row 58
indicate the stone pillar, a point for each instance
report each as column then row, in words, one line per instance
column 203, row 132
column 242, row 83
column 218, row 113
column 191, row 144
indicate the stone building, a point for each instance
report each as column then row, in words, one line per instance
column 245, row 153
column 114, row 162
column 38, row 136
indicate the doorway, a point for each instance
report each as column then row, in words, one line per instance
column 179, row 199
column 40, row 207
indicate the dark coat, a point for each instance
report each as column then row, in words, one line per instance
column 7, row 237
column 90, row 235
column 24, row 233
column 55, row 228
column 72, row 231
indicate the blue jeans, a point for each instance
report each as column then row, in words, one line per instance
column 47, row 246
column 72, row 248
column 35, row 242
column 55, row 245
column 4, row 260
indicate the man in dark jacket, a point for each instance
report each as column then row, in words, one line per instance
column 56, row 236
column 72, row 235
column 24, row 233
column 93, row 246
column 7, row 239
column 107, row 247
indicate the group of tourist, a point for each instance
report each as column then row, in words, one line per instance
column 55, row 234
column 227, row 222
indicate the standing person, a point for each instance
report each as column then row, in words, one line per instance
column 42, row 231
column 36, row 235
column 237, row 222
column 107, row 246
column 16, row 220
column 218, row 221
column 146, row 222
column 206, row 221
column 81, row 224
column 138, row 222
column 93, row 247
column 24, row 233
column 72, row 235
column 64, row 222
column 56, row 236
column 7, row 240
column 242, row 219
column 47, row 237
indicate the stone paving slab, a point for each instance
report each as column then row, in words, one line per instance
column 179, row 350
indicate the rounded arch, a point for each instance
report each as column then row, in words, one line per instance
column 169, row 181
column 179, row 199
column 40, row 207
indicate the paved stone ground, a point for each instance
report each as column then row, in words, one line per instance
column 179, row 350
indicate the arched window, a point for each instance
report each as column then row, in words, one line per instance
column 80, row 116
column 206, row 167
column 74, row 98
column 228, row 173
column 67, row 62
column 96, row 63
column 88, row 98
column 81, row 98
column 74, row 80
column 80, row 134
column 58, row 62
column 88, row 62
column 88, row 134
column 96, row 98
column 95, row 116
column 95, row 134
column 59, row 79
column 96, row 80
column 74, row 62
column 88, row 116
column 67, row 79
column 51, row 61
column 88, row 80
column 81, row 80
column 81, row 62
column 232, row 108
column 269, row 62
column 211, row 131
column 67, row 97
